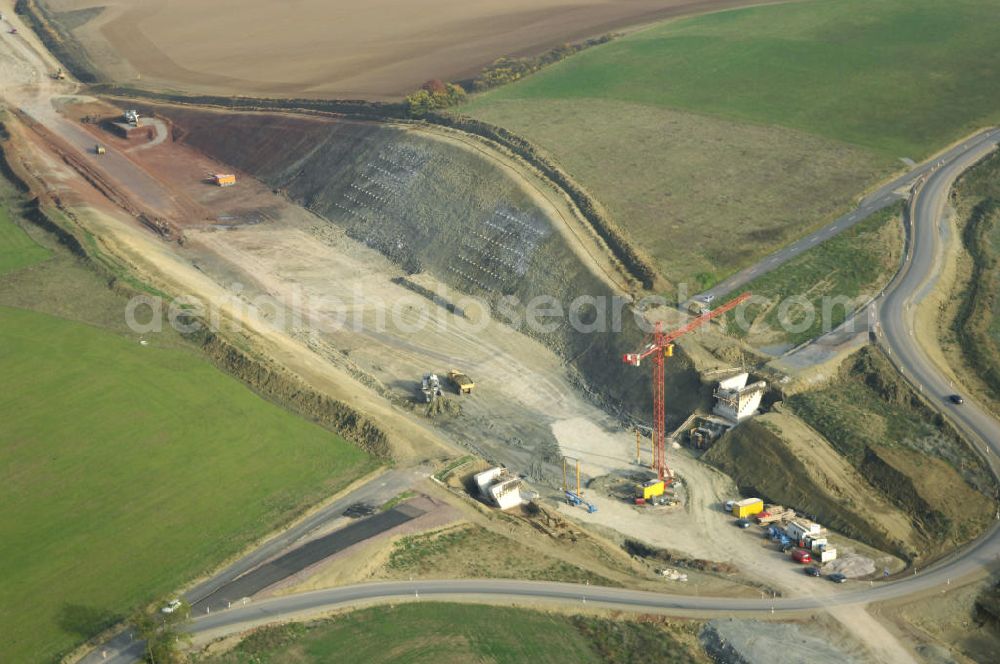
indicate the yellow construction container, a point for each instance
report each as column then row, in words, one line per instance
column 224, row 179
column 651, row 489
column 748, row 507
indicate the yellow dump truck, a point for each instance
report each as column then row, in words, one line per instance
column 650, row 489
column 462, row 383
column 746, row 508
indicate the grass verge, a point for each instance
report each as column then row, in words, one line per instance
column 977, row 325
column 817, row 291
column 442, row 633
column 474, row 552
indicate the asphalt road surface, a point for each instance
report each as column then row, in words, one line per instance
column 885, row 196
column 302, row 557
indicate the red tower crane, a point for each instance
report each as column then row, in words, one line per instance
column 660, row 346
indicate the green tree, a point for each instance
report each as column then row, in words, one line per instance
column 162, row 632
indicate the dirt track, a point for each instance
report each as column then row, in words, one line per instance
column 323, row 48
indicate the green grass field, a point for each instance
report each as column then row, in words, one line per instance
column 17, row 250
column 833, row 277
column 127, row 471
column 719, row 125
column 438, row 633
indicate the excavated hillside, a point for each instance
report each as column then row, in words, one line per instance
column 437, row 206
column 867, row 457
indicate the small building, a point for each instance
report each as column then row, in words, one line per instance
column 799, row 530
column 497, row 487
column 748, row 507
column 735, row 400
column 223, row 179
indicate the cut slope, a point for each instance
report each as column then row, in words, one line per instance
column 441, row 207
column 777, row 456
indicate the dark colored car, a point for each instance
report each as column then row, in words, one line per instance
column 813, row 571
column 956, row 399
column 743, row 523
column 837, row 578
column 785, row 548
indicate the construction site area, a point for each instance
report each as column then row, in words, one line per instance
column 461, row 301
column 386, row 253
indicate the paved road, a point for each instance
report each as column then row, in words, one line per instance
column 897, row 308
column 375, row 492
column 885, row 196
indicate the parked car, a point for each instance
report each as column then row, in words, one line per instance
column 729, row 505
column 837, row 578
column 786, row 547
column 743, row 523
column 171, row 606
column 956, row 399
column 802, row 556
column 813, row 571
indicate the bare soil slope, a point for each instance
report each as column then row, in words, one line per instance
column 324, row 48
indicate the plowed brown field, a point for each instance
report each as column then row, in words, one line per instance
column 335, row 48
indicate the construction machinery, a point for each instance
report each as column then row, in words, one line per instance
column 100, row 149
column 576, row 500
column 660, row 346
column 651, row 489
column 60, row 75
column 462, row 383
column 431, row 387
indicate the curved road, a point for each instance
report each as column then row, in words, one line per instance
column 881, row 198
column 896, row 307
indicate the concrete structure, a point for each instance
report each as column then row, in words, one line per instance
column 497, row 487
column 130, row 131
column 735, row 400
column 798, row 530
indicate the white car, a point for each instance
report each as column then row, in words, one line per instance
column 171, row 606
column 729, row 505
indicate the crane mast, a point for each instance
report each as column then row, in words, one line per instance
column 660, row 346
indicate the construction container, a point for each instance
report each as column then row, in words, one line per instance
column 223, row 179
column 826, row 555
column 462, row 383
column 651, row 489
column 798, row 530
column 748, row 507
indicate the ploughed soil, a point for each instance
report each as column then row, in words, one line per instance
column 333, row 48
